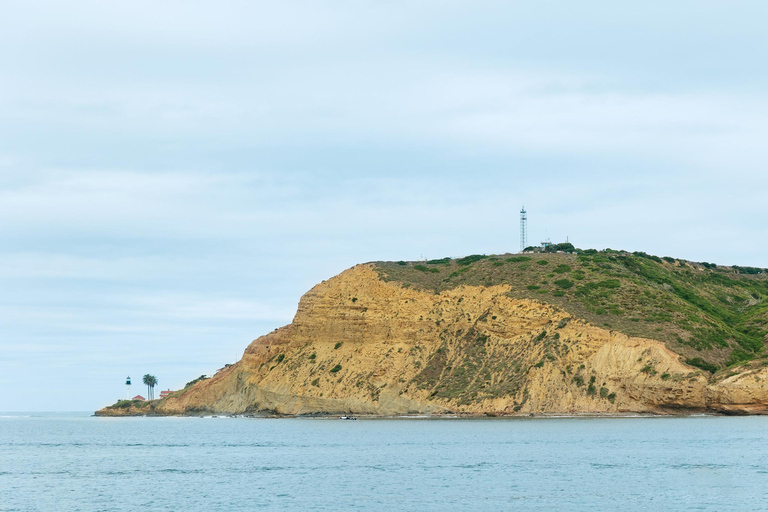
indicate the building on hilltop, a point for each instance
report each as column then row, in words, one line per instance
column 139, row 397
column 166, row 393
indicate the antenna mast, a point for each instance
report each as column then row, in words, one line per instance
column 523, row 229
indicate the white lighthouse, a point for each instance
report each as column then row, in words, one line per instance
column 127, row 388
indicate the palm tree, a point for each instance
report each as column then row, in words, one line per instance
column 150, row 381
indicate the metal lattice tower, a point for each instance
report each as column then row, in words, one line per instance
column 523, row 229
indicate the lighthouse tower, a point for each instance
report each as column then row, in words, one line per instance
column 523, row 229
column 127, row 388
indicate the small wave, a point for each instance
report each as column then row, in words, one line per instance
column 598, row 465
column 698, row 466
column 475, row 466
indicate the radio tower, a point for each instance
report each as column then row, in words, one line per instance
column 523, row 229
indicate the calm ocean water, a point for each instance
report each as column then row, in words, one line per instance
column 71, row 462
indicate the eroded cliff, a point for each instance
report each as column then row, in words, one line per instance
column 361, row 344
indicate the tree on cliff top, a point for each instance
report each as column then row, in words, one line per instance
column 150, row 381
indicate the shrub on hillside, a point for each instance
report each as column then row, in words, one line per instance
column 193, row 382
column 641, row 254
column 747, row 270
column 468, row 260
column 700, row 363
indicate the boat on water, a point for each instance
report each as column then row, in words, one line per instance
column 347, row 418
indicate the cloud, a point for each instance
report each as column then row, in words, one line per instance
column 173, row 176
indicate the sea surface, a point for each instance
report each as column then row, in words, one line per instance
column 74, row 462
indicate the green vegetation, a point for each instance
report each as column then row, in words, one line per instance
column 150, row 381
column 280, row 358
column 127, row 404
column 424, row 268
column 716, row 317
column 337, row 345
column 336, row 368
column 749, row 270
column 563, row 247
column 468, row 260
column 193, row 382
column 700, row 363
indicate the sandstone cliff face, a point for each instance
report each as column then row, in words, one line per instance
column 361, row 345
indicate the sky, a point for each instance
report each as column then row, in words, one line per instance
column 175, row 175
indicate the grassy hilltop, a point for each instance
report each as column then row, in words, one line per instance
column 715, row 316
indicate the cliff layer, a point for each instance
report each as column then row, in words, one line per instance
column 370, row 341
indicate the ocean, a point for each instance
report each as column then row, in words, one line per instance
column 74, row 462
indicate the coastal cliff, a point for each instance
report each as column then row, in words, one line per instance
column 394, row 339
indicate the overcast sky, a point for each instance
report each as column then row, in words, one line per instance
column 175, row 174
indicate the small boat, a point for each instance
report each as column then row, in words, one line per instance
column 347, row 418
